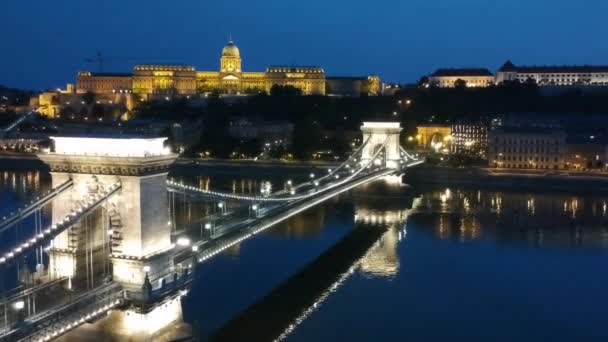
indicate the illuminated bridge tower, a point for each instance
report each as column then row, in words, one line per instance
column 376, row 134
column 132, row 224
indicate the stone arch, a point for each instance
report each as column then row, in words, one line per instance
column 375, row 134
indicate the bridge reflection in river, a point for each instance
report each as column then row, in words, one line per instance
column 454, row 216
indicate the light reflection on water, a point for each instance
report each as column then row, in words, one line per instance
column 542, row 220
column 447, row 223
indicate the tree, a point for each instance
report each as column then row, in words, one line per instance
column 285, row 91
column 460, row 83
column 423, row 82
column 97, row 111
column 306, row 139
column 88, row 97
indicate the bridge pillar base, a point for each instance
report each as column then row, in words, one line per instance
column 131, row 272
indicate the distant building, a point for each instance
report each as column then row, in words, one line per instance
column 353, row 86
column 527, row 148
column 432, row 136
column 586, row 153
column 447, row 78
column 103, row 83
column 275, row 132
column 52, row 103
column 554, row 75
column 470, row 139
column 149, row 81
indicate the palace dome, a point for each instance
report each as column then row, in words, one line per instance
column 231, row 50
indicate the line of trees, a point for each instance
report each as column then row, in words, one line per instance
column 314, row 116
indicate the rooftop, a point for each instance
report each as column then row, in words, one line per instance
column 510, row 67
column 105, row 74
column 164, row 67
column 117, row 146
column 379, row 124
column 294, row 68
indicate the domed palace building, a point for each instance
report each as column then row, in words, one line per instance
column 150, row 81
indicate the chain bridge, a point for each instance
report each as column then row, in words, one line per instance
column 112, row 244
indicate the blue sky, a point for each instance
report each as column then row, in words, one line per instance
column 44, row 43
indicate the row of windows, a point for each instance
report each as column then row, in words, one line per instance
column 529, row 166
column 562, row 75
column 510, row 141
column 460, row 128
column 539, row 149
column 524, row 158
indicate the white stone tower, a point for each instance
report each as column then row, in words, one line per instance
column 376, row 133
column 135, row 217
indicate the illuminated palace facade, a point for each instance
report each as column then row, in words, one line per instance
column 150, row 80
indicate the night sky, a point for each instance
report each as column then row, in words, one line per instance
column 44, row 43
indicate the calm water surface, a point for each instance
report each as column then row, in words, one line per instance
column 389, row 262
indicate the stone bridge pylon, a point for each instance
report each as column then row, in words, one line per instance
column 131, row 225
column 378, row 134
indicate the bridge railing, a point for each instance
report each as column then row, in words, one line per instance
column 22, row 213
column 317, row 186
column 19, row 121
column 237, row 222
column 36, row 240
column 86, row 307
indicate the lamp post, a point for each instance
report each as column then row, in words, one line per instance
column 18, row 306
column 208, row 226
column 253, row 210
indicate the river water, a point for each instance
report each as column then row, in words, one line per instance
column 391, row 262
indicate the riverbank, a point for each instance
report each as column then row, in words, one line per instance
column 419, row 175
column 28, row 161
column 507, row 179
column 192, row 166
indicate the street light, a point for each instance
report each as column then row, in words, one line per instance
column 183, row 241
column 253, row 209
column 19, row 305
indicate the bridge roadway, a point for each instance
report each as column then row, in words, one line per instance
column 238, row 229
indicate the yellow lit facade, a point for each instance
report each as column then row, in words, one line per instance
column 472, row 78
column 430, row 135
column 150, row 80
column 164, row 79
column 103, row 83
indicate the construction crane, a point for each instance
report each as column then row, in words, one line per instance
column 101, row 60
column 97, row 59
